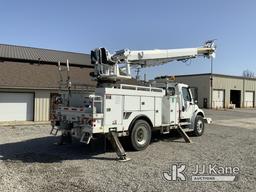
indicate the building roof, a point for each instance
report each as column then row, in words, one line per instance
column 41, row 56
column 216, row 75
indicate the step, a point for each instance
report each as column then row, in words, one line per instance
column 54, row 130
column 86, row 138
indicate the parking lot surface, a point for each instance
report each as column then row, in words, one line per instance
column 30, row 161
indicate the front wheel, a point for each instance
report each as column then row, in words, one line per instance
column 198, row 126
column 140, row 135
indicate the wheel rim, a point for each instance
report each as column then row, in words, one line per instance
column 141, row 135
column 199, row 126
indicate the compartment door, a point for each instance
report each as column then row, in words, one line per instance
column 158, row 111
column 113, row 110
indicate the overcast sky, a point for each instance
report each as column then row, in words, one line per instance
column 81, row 25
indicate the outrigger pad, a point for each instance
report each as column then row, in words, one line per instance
column 123, row 159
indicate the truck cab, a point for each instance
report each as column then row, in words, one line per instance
column 188, row 111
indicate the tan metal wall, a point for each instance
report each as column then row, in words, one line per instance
column 202, row 83
column 41, row 102
column 227, row 84
column 42, row 106
column 232, row 83
column 250, row 85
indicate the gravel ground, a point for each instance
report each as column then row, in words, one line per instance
column 30, row 161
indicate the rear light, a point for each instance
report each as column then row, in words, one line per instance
column 91, row 122
column 94, row 122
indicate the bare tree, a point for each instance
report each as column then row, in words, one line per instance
column 248, row 73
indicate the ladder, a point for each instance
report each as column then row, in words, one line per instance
column 65, row 80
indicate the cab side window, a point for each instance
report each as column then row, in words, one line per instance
column 186, row 94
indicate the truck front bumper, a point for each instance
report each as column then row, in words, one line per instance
column 208, row 120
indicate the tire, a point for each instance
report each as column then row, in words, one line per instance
column 198, row 126
column 140, row 136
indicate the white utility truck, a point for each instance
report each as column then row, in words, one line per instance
column 118, row 110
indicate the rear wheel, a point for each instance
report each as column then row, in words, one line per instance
column 198, row 126
column 140, row 135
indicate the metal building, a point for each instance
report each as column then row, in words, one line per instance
column 225, row 90
column 29, row 80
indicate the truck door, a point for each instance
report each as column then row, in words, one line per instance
column 187, row 104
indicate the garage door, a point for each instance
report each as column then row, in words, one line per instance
column 248, row 99
column 218, row 99
column 16, row 106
